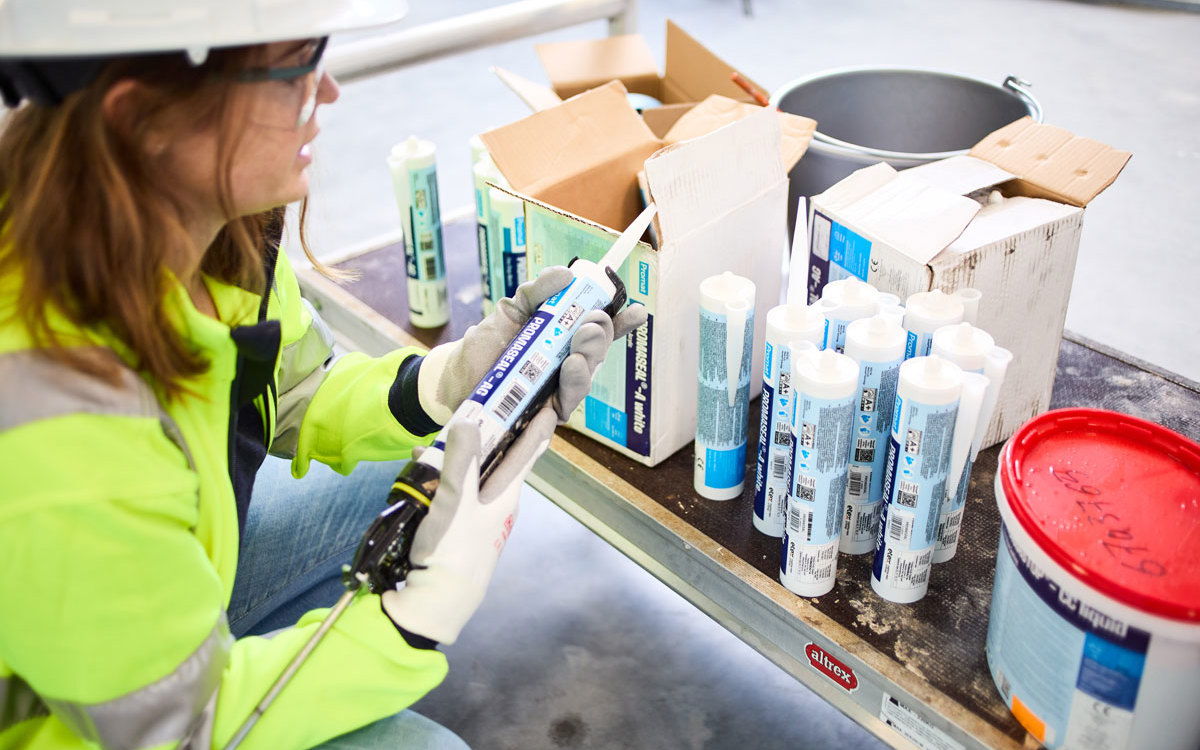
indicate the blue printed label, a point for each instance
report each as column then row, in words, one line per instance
column 820, row 433
column 605, row 420
column 910, row 345
column 724, row 469
column 639, row 353
column 850, row 251
column 868, row 454
column 773, row 460
column 425, row 258
column 720, row 425
column 643, row 277
column 1066, row 661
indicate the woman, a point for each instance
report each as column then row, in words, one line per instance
column 154, row 348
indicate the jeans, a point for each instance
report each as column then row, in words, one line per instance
column 298, row 535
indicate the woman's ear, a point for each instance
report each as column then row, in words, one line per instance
column 120, row 113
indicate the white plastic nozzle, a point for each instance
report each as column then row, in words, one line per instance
column 887, row 299
column 892, row 313
column 964, row 345
column 624, row 245
column 994, row 368
column 970, row 403
column 797, row 278
column 970, row 301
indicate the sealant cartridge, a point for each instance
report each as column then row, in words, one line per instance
column 843, row 302
column 723, row 395
column 825, row 385
column 414, row 177
column 877, row 345
column 508, row 211
column 486, row 174
column 786, row 324
column 924, row 313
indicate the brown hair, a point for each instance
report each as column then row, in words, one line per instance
column 102, row 265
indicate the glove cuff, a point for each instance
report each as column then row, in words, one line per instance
column 433, row 368
column 434, row 603
column 403, row 401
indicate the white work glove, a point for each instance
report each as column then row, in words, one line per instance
column 451, row 371
column 457, row 545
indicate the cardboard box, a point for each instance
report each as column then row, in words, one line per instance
column 692, row 73
column 721, row 200
column 1005, row 220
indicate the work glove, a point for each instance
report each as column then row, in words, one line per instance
column 451, row 371
column 457, row 545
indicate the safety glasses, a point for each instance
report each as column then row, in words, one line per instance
column 289, row 93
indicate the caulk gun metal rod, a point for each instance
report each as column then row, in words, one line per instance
column 294, row 665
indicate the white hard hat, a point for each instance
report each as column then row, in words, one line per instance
column 33, row 29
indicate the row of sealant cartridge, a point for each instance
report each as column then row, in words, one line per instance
column 865, row 447
column 500, row 230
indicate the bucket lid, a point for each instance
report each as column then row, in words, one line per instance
column 1115, row 500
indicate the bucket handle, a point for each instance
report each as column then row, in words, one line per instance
column 1021, row 88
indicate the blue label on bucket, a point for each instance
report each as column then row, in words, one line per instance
column 850, row 250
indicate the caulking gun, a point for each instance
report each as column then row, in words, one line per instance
column 502, row 404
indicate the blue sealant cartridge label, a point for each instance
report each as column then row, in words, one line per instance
column 481, row 234
column 513, row 238
column 426, row 261
column 821, row 436
column 918, row 460
column 530, row 362
column 720, row 426
column 868, row 450
column 1080, row 667
column 773, row 464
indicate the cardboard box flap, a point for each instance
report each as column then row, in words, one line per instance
column 717, row 111
column 960, row 174
column 545, row 154
column 1053, row 162
column 916, row 218
column 576, row 66
column 1002, row 218
column 692, row 72
column 697, row 182
column 857, row 184
column 537, row 96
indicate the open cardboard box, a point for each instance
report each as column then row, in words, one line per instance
column 721, row 197
column 691, row 74
column 1006, row 220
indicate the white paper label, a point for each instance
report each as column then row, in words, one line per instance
column 913, row 728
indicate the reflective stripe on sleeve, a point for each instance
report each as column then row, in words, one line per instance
column 18, row 702
column 178, row 707
column 38, row 387
column 303, row 365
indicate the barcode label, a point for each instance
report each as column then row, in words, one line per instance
column 912, row 442
column 808, row 435
column 806, row 488
column 779, row 465
column 864, row 450
column 866, row 522
column 899, row 528
column 800, row 522
column 535, row 366
column 859, row 481
column 430, row 267
column 507, row 404
column 426, row 242
column 907, row 493
column 867, row 403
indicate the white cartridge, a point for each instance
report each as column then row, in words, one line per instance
column 877, row 345
column 969, row 348
column 825, row 386
column 723, row 395
column 894, row 313
column 848, row 301
column 414, row 177
column 485, row 171
column 924, row 313
column 970, row 299
column 773, row 466
column 508, row 213
column 918, row 462
column 887, row 299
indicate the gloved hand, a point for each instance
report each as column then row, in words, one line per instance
column 457, row 545
column 450, row 371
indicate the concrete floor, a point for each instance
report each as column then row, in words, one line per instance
column 577, row 647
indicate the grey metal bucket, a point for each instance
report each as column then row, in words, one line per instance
column 904, row 116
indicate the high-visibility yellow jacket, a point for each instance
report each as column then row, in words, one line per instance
column 119, row 540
